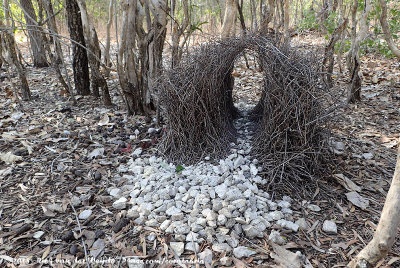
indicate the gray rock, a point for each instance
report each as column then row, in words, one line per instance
column 221, row 190
column 242, row 251
column 226, row 261
column 206, row 256
column 75, row 201
column 302, row 223
column 192, row 237
column 368, row 156
column 276, row 237
column 221, row 220
column 173, row 211
column 85, row 214
column 222, row 247
column 182, row 229
column 314, row 208
column 165, row 225
column 120, row 203
column 276, row 215
column 329, row 227
column 177, row 247
column 232, row 241
column 251, row 232
column 288, row 225
column 194, row 247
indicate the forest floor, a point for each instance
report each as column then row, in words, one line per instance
column 64, row 158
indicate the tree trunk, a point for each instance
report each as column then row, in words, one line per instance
column 35, row 36
column 328, row 61
column 177, row 32
column 94, row 55
column 80, row 59
column 286, row 22
column 266, row 17
column 56, row 57
column 107, row 58
column 386, row 29
column 386, row 230
column 354, row 91
column 9, row 41
column 241, row 17
column 229, row 18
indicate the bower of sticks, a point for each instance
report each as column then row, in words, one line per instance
column 291, row 133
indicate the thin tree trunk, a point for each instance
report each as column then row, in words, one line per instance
column 80, row 59
column 57, row 57
column 94, row 55
column 328, row 61
column 229, row 18
column 354, row 91
column 286, row 22
column 35, row 36
column 107, row 58
column 241, row 17
column 267, row 17
column 386, row 30
column 386, row 230
column 177, row 32
column 9, row 40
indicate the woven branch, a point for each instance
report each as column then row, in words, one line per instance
column 196, row 102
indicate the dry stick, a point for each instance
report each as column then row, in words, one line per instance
column 80, row 231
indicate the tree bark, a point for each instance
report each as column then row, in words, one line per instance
column 266, row 17
column 80, row 59
column 177, row 32
column 56, row 57
column 94, row 55
column 229, row 18
column 9, row 41
column 286, row 22
column 136, row 72
column 328, row 61
column 386, row 30
column 35, row 36
column 107, row 58
column 354, row 91
column 386, row 230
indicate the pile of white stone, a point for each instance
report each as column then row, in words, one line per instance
column 217, row 201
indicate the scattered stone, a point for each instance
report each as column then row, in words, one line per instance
column 85, row 214
column 302, row 223
column 226, row 261
column 177, row 247
column 276, row 237
column 357, row 200
column 221, row 247
column 38, row 234
column 242, row 251
column 192, row 246
column 314, row 208
column 206, row 256
column 288, row 225
column 120, row 203
column 368, row 156
column 329, row 227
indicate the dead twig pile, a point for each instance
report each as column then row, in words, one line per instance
column 196, row 101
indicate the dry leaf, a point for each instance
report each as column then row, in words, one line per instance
column 357, row 200
column 347, row 183
column 9, row 158
column 104, row 121
column 284, row 257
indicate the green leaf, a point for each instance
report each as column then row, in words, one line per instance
column 179, row 169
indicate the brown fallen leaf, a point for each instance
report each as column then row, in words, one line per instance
column 284, row 257
column 347, row 183
column 239, row 263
